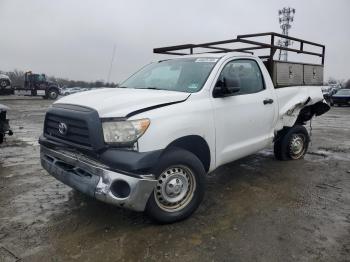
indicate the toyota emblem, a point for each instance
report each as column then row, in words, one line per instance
column 63, row 128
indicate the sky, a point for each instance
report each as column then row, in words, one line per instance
column 75, row 38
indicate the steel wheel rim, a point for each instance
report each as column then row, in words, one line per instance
column 175, row 188
column 297, row 146
column 3, row 83
column 53, row 94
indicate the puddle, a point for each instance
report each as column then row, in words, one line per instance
column 322, row 155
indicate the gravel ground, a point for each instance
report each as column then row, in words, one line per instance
column 255, row 209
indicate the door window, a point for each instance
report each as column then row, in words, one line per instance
column 245, row 74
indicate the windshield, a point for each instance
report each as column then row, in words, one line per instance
column 343, row 92
column 183, row 75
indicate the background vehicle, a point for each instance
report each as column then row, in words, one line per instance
column 37, row 85
column 149, row 144
column 73, row 90
column 328, row 91
column 5, row 85
column 341, row 97
column 4, row 123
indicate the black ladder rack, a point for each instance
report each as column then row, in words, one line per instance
column 251, row 45
column 215, row 48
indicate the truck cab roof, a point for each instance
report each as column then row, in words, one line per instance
column 214, row 55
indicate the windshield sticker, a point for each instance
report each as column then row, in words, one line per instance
column 193, row 86
column 206, row 60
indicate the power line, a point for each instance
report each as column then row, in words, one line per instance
column 286, row 17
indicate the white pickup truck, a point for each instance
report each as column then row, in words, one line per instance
column 149, row 144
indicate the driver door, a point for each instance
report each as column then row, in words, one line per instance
column 243, row 120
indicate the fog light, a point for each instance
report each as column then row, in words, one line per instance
column 120, row 189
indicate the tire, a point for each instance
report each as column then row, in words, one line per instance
column 4, row 83
column 52, row 94
column 291, row 143
column 180, row 189
column 1, row 138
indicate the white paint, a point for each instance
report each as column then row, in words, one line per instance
column 233, row 127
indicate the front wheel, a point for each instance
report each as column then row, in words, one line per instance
column 4, row 83
column 52, row 94
column 292, row 143
column 180, row 188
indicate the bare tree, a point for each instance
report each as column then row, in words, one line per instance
column 17, row 77
column 347, row 84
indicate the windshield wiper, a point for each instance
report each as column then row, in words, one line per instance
column 153, row 88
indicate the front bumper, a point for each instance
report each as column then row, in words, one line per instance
column 98, row 180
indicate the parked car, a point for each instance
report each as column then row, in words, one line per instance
column 328, row 92
column 73, row 90
column 149, row 144
column 4, row 123
column 341, row 97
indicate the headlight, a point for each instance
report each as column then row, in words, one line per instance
column 124, row 131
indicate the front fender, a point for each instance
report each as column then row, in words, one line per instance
column 170, row 123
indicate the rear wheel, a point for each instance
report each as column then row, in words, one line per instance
column 292, row 143
column 180, row 188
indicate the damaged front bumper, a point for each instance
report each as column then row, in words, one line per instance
column 98, row 180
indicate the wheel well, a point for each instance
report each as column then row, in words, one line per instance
column 308, row 112
column 196, row 145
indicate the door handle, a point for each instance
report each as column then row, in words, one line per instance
column 268, row 101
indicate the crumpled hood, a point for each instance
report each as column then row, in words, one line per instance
column 119, row 102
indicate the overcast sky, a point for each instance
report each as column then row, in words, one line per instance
column 75, row 39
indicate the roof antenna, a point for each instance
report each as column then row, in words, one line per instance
column 111, row 65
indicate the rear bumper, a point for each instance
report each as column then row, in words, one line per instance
column 98, row 180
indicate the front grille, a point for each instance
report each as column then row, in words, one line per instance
column 77, row 131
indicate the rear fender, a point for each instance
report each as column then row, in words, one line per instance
column 303, row 104
column 308, row 112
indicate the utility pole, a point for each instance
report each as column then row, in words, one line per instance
column 286, row 17
column 111, row 65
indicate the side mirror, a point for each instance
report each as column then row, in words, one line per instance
column 226, row 87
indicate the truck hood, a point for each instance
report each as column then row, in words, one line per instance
column 122, row 102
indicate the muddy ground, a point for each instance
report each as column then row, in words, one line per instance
column 255, row 209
